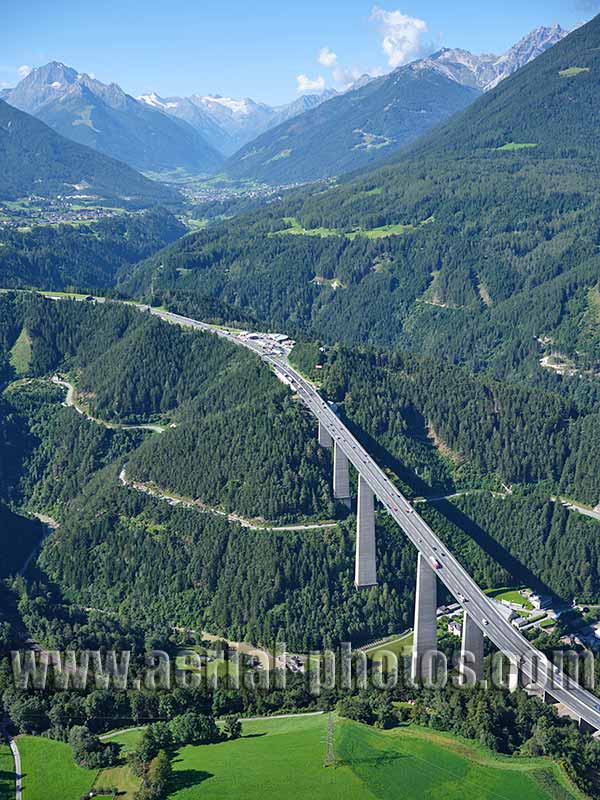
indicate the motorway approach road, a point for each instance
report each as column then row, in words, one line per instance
column 534, row 667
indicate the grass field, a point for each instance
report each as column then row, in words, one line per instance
column 295, row 229
column 411, row 763
column 509, row 146
column 512, row 594
column 49, row 772
column 402, row 645
column 20, row 355
column 7, row 773
column 121, row 778
column 571, row 72
column 277, row 755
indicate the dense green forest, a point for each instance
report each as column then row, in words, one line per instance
column 181, row 564
column 216, row 398
column 162, row 566
column 491, row 254
column 84, row 256
column 441, row 427
column 438, row 428
column 236, row 439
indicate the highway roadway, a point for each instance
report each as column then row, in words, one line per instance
column 483, row 611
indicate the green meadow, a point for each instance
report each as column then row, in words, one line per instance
column 408, row 762
column 49, row 772
column 7, row 773
column 295, row 229
column 286, row 755
column 20, row 355
column 509, row 146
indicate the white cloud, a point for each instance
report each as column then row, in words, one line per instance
column 346, row 75
column 24, row 70
column 327, row 57
column 306, row 84
column 401, row 35
column 340, row 74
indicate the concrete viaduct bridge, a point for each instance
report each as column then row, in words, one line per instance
column 481, row 614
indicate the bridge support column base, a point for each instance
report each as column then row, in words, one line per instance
column 585, row 727
column 365, row 569
column 425, row 632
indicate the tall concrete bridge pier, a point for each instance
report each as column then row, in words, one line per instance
column 365, row 567
column 325, row 438
column 471, row 651
column 425, row 632
column 341, row 475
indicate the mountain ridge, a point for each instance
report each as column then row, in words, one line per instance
column 477, row 243
column 340, row 136
column 34, row 159
column 354, row 128
column 485, row 71
column 106, row 118
column 229, row 124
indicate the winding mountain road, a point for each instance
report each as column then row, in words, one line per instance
column 175, row 500
column 533, row 665
column 70, row 402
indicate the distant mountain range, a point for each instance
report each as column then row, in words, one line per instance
column 109, row 120
column 486, row 71
column 315, row 136
column 35, row 160
column 229, row 124
column 354, row 128
column 368, row 123
column 477, row 244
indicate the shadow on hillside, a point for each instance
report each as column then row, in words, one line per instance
column 187, row 778
column 373, row 760
column 515, row 568
column 519, row 572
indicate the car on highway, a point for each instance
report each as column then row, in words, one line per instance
column 435, row 563
column 485, row 621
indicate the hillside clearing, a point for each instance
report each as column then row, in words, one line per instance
column 20, row 355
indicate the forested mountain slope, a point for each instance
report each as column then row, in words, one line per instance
column 213, row 398
column 86, row 256
column 448, row 429
column 479, row 243
column 121, row 550
column 34, row 160
column 176, row 566
column 353, row 129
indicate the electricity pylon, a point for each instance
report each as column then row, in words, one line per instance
column 329, row 751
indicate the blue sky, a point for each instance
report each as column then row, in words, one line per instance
column 263, row 49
